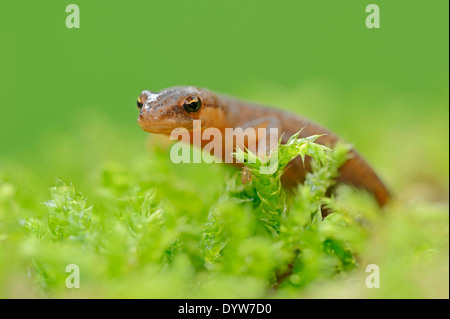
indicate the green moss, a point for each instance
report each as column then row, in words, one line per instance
column 145, row 227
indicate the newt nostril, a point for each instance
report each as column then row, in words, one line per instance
column 145, row 95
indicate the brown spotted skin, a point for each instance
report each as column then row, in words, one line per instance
column 163, row 111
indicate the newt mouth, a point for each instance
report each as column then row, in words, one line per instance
column 156, row 126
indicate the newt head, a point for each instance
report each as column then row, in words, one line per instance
column 177, row 107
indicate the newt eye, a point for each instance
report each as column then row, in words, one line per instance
column 192, row 104
column 139, row 104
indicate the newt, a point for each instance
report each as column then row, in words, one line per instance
column 177, row 107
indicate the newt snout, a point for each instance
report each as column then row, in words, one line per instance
column 143, row 98
column 177, row 107
column 149, row 118
column 159, row 112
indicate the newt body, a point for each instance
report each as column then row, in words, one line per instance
column 177, row 107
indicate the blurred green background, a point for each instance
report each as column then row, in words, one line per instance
column 374, row 87
column 67, row 96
